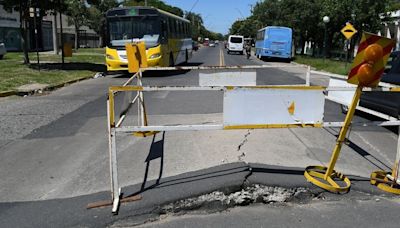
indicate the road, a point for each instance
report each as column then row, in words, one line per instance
column 54, row 149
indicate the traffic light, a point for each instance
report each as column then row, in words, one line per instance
column 369, row 64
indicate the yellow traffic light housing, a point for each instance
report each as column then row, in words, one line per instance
column 369, row 64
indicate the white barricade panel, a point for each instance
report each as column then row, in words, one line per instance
column 245, row 78
column 265, row 106
column 341, row 97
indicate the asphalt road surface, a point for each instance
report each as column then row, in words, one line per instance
column 54, row 156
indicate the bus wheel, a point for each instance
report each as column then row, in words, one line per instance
column 171, row 60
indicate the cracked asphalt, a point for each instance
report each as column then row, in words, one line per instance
column 54, row 161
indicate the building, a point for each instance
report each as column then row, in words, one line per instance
column 9, row 30
column 11, row 36
column 87, row 37
column 392, row 29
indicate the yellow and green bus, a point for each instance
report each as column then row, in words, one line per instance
column 167, row 37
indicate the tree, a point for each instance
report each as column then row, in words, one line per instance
column 155, row 3
column 96, row 18
column 196, row 22
column 77, row 15
column 246, row 28
column 305, row 17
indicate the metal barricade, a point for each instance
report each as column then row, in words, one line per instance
column 296, row 105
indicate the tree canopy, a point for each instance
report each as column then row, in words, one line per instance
column 155, row 3
column 305, row 17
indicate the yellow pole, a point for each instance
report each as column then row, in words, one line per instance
column 111, row 108
column 343, row 132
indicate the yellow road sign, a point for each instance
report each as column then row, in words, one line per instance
column 348, row 31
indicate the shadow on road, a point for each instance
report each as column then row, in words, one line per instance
column 369, row 157
column 363, row 153
column 156, row 151
column 274, row 59
column 70, row 66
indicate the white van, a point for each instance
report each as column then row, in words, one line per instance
column 235, row 44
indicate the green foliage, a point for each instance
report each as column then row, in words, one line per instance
column 77, row 12
column 155, row 3
column 247, row 27
column 96, row 19
column 305, row 18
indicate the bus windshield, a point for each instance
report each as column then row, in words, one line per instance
column 125, row 29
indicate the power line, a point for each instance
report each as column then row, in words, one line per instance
column 240, row 12
column 193, row 6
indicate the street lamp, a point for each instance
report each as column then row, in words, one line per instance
column 326, row 20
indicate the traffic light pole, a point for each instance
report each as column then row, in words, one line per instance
column 326, row 177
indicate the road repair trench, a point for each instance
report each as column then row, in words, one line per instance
column 218, row 200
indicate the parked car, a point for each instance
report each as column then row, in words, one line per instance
column 385, row 102
column 3, row 50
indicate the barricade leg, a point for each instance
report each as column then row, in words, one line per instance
column 327, row 177
column 389, row 181
column 116, row 191
column 142, row 112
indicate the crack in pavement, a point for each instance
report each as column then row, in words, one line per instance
column 245, row 139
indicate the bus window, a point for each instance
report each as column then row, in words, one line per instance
column 164, row 30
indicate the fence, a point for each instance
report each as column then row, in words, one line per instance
column 244, row 108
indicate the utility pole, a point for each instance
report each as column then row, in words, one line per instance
column 33, row 12
column 145, row 2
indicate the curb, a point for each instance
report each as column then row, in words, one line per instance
column 8, row 93
column 48, row 88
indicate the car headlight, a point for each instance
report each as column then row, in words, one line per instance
column 154, row 56
column 109, row 57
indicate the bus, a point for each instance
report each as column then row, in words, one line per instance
column 274, row 41
column 167, row 37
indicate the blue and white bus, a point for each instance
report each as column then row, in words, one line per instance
column 274, row 41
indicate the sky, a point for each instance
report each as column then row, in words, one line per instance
column 218, row 15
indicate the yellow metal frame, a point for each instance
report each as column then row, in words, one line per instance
column 328, row 174
column 266, row 126
column 139, row 89
column 380, row 180
column 317, row 176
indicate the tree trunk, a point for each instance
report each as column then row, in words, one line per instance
column 302, row 43
column 55, row 40
column 23, row 29
column 76, row 36
column 100, row 41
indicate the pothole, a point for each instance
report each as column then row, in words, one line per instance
column 218, row 201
